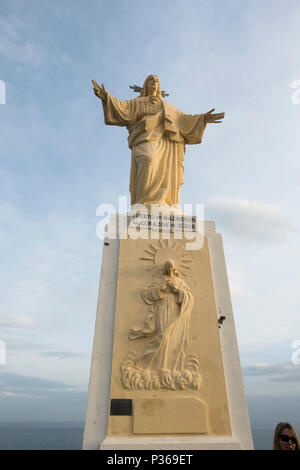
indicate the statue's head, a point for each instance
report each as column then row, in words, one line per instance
column 170, row 268
column 151, row 87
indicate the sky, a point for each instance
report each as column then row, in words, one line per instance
column 59, row 162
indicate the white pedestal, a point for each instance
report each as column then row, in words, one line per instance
column 95, row 433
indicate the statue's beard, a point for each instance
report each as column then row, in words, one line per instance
column 154, row 99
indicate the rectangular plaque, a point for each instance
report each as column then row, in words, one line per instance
column 169, row 416
column 163, row 222
column 120, row 407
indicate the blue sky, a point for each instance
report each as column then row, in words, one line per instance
column 59, row 162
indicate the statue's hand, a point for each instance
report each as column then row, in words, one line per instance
column 161, row 290
column 99, row 92
column 213, row 118
column 173, row 288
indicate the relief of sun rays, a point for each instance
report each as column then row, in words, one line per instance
column 168, row 250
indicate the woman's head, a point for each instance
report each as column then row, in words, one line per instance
column 285, row 437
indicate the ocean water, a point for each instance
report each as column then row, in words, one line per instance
column 69, row 435
column 263, row 439
column 41, row 436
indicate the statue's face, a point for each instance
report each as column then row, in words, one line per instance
column 169, row 267
column 152, row 85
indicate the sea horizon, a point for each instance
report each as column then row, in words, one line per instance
column 52, row 435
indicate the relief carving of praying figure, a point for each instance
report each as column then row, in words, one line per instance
column 164, row 362
column 158, row 134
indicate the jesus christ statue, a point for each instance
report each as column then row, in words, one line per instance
column 158, row 134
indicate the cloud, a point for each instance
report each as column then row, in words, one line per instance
column 32, row 345
column 17, row 321
column 251, row 219
column 238, row 280
column 59, row 154
column 27, row 398
column 64, row 354
column 284, row 372
column 19, row 395
column 17, row 383
column 56, row 253
column 15, row 29
column 14, row 45
column 22, row 343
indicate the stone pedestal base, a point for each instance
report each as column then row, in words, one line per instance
column 186, row 393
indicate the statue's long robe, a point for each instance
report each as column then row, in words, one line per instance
column 157, row 137
column 167, row 326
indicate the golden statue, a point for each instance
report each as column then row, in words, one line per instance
column 158, row 133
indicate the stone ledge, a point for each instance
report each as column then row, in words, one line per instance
column 172, row 443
